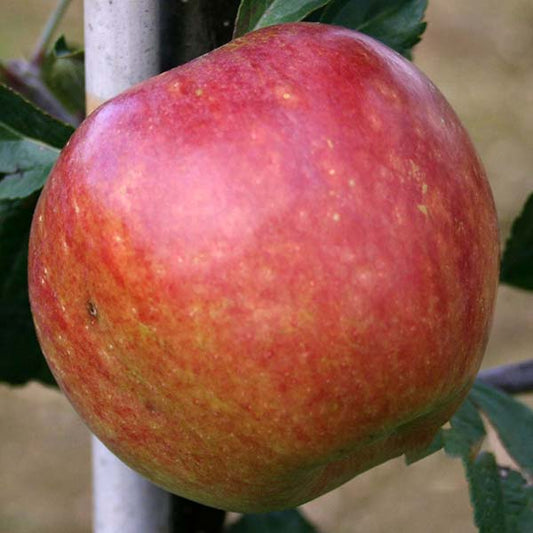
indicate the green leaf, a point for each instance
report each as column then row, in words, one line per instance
column 21, row 359
column 463, row 439
column 486, row 493
column 517, row 261
column 279, row 522
column 24, row 164
column 512, row 420
column 30, row 141
column 23, row 118
column 396, row 23
column 255, row 14
column 501, row 497
column 63, row 73
column 62, row 49
column 517, row 501
column 466, row 433
column 524, row 521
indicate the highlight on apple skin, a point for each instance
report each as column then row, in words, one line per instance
column 268, row 270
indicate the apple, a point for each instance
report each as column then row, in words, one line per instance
column 268, row 270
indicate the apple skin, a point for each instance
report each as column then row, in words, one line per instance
column 268, row 270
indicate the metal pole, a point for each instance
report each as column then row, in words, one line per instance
column 123, row 501
column 122, row 47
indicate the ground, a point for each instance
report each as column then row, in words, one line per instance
column 478, row 54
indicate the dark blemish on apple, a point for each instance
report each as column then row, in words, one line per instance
column 150, row 407
column 91, row 309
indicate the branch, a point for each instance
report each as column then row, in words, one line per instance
column 25, row 78
column 48, row 32
column 514, row 378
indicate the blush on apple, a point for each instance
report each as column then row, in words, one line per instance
column 267, row 270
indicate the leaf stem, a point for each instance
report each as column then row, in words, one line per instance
column 48, row 32
column 513, row 378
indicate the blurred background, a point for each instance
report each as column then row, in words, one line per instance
column 479, row 54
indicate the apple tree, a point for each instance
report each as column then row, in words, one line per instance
column 41, row 105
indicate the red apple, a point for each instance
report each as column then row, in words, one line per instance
column 268, row 270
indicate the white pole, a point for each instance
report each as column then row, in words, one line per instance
column 123, row 501
column 122, row 47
